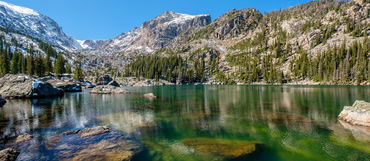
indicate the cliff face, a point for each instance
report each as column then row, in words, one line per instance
column 151, row 36
column 160, row 31
column 236, row 22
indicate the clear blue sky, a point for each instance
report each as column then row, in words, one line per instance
column 104, row 19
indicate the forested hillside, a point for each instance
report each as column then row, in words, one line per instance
column 317, row 42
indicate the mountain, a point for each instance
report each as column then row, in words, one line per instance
column 23, row 23
column 160, row 31
column 151, row 36
column 90, row 44
column 316, row 42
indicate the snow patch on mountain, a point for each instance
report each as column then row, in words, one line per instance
column 30, row 22
column 125, row 39
column 19, row 9
column 179, row 18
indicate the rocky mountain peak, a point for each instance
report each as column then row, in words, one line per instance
column 160, row 31
column 17, row 9
column 153, row 34
column 236, row 22
column 29, row 22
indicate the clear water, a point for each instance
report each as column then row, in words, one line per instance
column 204, row 122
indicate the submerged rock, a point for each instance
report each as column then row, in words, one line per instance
column 2, row 102
column 357, row 114
column 66, row 86
column 221, row 147
column 22, row 86
column 112, row 145
column 9, row 154
column 89, row 131
column 150, row 96
column 359, row 133
column 128, row 121
column 23, row 138
column 107, row 89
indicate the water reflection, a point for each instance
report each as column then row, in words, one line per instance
column 287, row 122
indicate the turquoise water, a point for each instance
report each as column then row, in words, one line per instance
column 205, row 122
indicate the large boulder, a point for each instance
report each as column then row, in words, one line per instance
column 22, row 86
column 66, row 86
column 107, row 89
column 44, row 89
column 103, row 80
column 357, row 114
column 9, row 154
column 2, row 102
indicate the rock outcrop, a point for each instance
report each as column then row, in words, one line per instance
column 236, row 22
column 22, row 86
column 357, row 114
column 107, row 89
column 66, row 86
column 160, row 31
column 89, row 131
column 9, row 154
column 2, row 102
column 103, row 80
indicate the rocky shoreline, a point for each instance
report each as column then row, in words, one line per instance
column 23, row 86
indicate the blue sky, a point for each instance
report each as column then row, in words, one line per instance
column 104, row 19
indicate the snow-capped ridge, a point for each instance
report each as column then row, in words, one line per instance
column 19, row 9
column 36, row 25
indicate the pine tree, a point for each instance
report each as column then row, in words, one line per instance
column 48, row 63
column 30, row 62
column 59, row 67
column 4, row 63
column 78, row 73
column 39, row 66
column 23, row 64
column 14, row 66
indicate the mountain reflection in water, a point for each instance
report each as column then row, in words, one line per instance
column 271, row 122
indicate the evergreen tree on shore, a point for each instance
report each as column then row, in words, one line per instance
column 39, row 65
column 59, row 67
column 30, row 62
column 78, row 73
